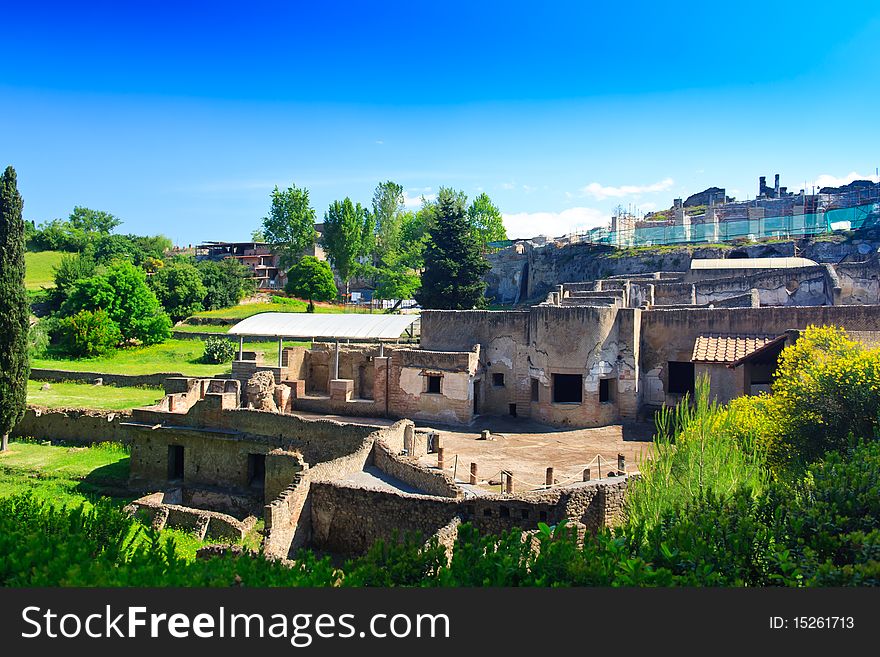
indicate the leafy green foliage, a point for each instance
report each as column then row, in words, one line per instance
column 347, row 237
column 218, row 349
column 179, row 288
column 454, row 266
column 486, row 222
column 122, row 292
column 226, row 282
column 14, row 309
column 72, row 268
column 311, row 279
column 290, row 225
column 699, row 447
column 88, row 334
column 826, row 391
column 93, row 221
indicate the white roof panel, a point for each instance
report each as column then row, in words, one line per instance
column 751, row 263
column 351, row 326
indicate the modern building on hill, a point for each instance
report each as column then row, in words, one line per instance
column 258, row 257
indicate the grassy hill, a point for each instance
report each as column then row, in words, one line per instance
column 39, row 268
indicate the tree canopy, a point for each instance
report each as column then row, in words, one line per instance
column 180, row 290
column 454, row 267
column 122, row 292
column 486, row 222
column 311, row 279
column 347, row 237
column 14, row 309
column 290, row 225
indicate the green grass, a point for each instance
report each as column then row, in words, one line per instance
column 245, row 310
column 71, row 476
column 183, row 356
column 202, row 328
column 84, row 395
column 40, row 268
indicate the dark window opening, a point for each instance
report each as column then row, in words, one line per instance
column 175, row 462
column 498, row 379
column 524, row 513
column 469, row 510
column 504, row 512
column 511, row 408
column 256, row 470
column 762, row 373
column 434, row 384
column 568, row 388
column 606, row 390
column 681, row 377
column 535, row 389
column 487, row 512
column 542, row 515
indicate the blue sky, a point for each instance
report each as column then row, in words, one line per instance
column 181, row 121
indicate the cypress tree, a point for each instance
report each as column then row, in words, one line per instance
column 14, row 311
column 454, row 267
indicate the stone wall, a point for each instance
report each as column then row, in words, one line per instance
column 288, row 524
column 131, row 380
column 669, row 334
column 73, row 425
column 413, row 473
column 348, row 520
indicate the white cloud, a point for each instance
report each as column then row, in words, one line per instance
column 601, row 192
column 509, row 185
column 647, row 207
column 415, row 201
column 553, row 224
column 380, row 142
column 528, row 189
column 827, row 180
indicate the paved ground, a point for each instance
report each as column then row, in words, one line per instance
column 372, row 477
column 527, row 448
column 522, row 446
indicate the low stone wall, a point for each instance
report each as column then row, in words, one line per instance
column 413, row 473
column 288, row 525
column 348, row 519
column 122, row 380
column 73, row 425
column 204, row 524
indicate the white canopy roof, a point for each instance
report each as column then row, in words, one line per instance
column 751, row 263
column 351, row 326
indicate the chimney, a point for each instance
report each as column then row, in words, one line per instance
column 762, row 185
column 776, row 186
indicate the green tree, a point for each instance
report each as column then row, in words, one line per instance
column 387, row 215
column 14, row 310
column 345, row 227
column 180, row 290
column 93, row 221
column 311, row 279
column 290, row 225
column 122, row 291
column 87, row 334
column 486, row 222
column 72, row 268
column 226, row 282
column 454, row 267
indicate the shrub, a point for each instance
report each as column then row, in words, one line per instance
column 218, row 350
column 88, row 333
column 122, row 292
column 699, row 447
column 827, row 391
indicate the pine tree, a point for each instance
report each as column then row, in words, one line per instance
column 14, row 312
column 454, row 267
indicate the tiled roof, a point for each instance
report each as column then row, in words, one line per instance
column 716, row 348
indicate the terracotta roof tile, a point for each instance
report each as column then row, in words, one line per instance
column 717, row 348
